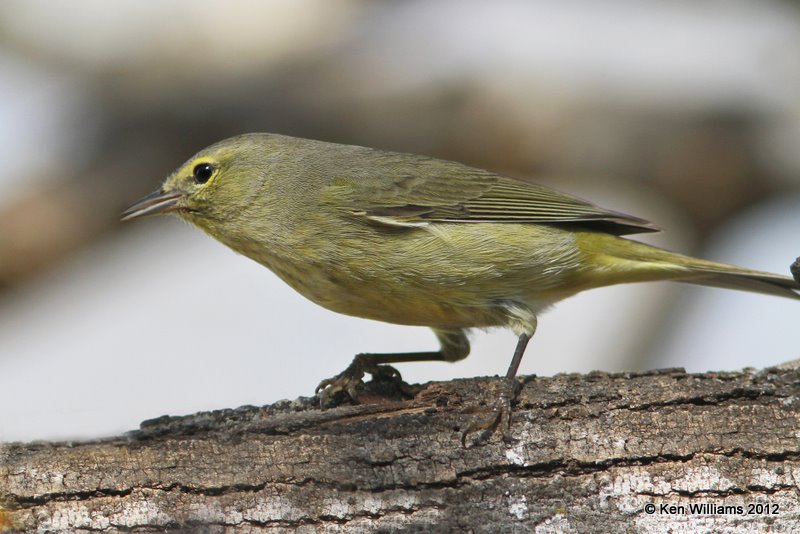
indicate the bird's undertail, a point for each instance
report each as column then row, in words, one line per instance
column 646, row 262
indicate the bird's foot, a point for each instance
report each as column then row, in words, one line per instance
column 348, row 380
column 500, row 417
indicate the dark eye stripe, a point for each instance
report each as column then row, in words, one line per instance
column 202, row 172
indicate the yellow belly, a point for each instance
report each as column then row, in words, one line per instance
column 458, row 276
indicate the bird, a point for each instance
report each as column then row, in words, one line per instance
column 415, row 240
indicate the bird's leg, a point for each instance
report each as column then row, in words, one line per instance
column 454, row 343
column 501, row 413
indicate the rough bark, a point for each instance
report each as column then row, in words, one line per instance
column 587, row 454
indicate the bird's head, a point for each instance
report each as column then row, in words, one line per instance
column 218, row 183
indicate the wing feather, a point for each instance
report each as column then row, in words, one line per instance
column 415, row 189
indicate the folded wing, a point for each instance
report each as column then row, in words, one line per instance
column 414, row 191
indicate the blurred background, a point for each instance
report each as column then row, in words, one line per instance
column 683, row 112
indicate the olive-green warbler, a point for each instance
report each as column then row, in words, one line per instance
column 415, row 240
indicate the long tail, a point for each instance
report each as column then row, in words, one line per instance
column 625, row 260
column 733, row 277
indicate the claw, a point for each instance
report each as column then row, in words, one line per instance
column 501, row 415
column 349, row 379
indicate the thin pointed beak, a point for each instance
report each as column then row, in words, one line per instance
column 156, row 202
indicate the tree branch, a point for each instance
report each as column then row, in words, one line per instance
column 589, row 452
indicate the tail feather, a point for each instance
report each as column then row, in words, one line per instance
column 731, row 277
column 624, row 260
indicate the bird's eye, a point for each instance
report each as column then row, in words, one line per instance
column 202, row 172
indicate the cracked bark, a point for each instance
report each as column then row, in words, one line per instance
column 588, row 453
